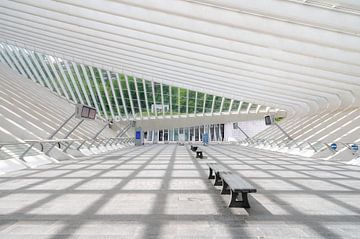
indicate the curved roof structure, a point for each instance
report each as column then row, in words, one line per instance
column 299, row 56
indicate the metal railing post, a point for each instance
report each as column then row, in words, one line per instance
column 70, row 132
column 95, row 136
column 67, row 135
column 26, row 151
column 61, row 126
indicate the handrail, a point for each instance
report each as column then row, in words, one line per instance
column 300, row 144
column 54, row 140
column 31, row 143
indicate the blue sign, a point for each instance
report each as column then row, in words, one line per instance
column 138, row 135
column 333, row 146
column 206, row 138
column 354, row 147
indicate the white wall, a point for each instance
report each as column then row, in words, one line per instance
column 251, row 128
column 30, row 111
column 342, row 126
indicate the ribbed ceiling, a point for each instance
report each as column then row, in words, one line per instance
column 301, row 56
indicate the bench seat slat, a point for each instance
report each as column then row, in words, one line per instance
column 236, row 183
column 217, row 167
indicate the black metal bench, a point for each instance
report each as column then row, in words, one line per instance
column 233, row 184
column 199, row 154
column 193, row 148
column 214, row 172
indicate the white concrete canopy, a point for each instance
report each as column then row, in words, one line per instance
column 301, row 56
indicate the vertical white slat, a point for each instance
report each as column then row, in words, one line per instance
column 48, row 72
column 195, row 106
column 179, row 107
column 35, row 74
column 146, row 98
column 138, row 97
column 231, row 105
column 42, row 73
column 22, row 62
column 8, row 61
column 88, row 83
column 162, row 99
column 187, row 102
column 80, row 80
column 222, row 105
column 212, row 105
column 98, row 91
column 130, row 97
column 240, row 105
column 248, row 108
column 257, row 109
column 204, row 104
column 220, row 133
column 122, row 96
column 3, row 61
column 73, row 82
column 154, row 98
column 199, row 134
column 170, row 101
column 57, row 77
column 10, row 53
column 67, row 83
column 113, row 93
column 106, row 93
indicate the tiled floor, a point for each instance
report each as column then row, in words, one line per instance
column 161, row 191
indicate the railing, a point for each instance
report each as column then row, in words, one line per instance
column 315, row 146
column 25, row 148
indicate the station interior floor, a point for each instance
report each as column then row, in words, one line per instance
column 162, row 191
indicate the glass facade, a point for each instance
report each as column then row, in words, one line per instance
column 115, row 95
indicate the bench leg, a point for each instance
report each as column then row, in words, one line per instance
column 218, row 181
column 211, row 176
column 234, row 202
column 225, row 189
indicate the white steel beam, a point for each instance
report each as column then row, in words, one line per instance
column 179, row 107
column 22, row 62
column 146, row 98
column 257, row 109
column 239, row 108
column 248, row 108
column 35, row 74
column 122, row 96
column 130, row 96
column 106, row 93
column 8, row 60
column 48, row 72
column 195, row 106
column 138, row 97
column 231, row 105
column 88, row 83
column 113, row 93
column 204, row 104
column 212, row 105
column 73, row 81
column 80, row 80
column 170, row 100
column 162, row 98
column 52, row 63
column 98, row 91
column 9, row 52
column 42, row 73
column 187, row 101
column 67, row 83
column 154, row 98
column 222, row 105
